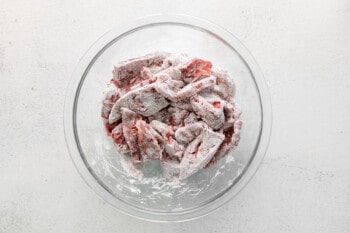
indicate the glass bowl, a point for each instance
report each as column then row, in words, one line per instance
column 153, row 197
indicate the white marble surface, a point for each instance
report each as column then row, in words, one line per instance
column 303, row 48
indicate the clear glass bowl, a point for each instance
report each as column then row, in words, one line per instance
column 153, row 197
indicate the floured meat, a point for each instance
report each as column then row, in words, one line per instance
column 172, row 147
column 189, row 132
column 199, row 152
column 150, row 141
column 120, row 142
column 111, row 96
column 211, row 113
column 173, row 109
column 145, row 101
column 196, row 69
column 224, row 86
column 128, row 73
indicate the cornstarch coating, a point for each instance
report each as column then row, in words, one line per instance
column 172, row 108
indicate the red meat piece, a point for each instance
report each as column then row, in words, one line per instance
column 130, row 133
column 150, row 142
column 127, row 73
column 119, row 140
column 144, row 101
column 213, row 116
column 172, row 147
column 199, row 152
column 197, row 68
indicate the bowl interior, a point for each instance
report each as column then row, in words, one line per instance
column 154, row 193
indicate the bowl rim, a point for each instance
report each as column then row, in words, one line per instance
column 98, row 47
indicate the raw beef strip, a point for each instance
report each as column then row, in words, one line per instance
column 231, row 114
column 111, row 96
column 191, row 119
column 184, row 104
column 172, row 147
column 193, row 88
column 172, row 89
column 212, row 114
column 199, row 152
column 119, row 140
column 162, row 128
column 146, row 73
column 163, row 116
column 168, row 87
column 196, row 69
column 177, row 116
column 144, row 101
column 130, row 133
column 232, row 136
column 125, row 71
column 224, row 87
column 189, row 132
column 150, row 142
column 173, row 73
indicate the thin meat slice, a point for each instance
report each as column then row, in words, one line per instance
column 192, row 89
column 177, row 116
column 199, row 152
column 173, row 73
column 163, row 116
column 224, row 87
column 124, row 72
column 162, row 128
column 232, row 114
column 172, row 147
column 172, row 64
column 143, row 141
column 146, row 73
column 168, row 87
column 189, row 132
column 176, row 61
column 196, row 69
column 150, row 142
column 141, row 84
column 111, row 96
column 169, row 68
column 232, row 137
column 119, row 140
column 232, row 134
column 184, row 104
column 176, row 91
column 191, row 119
column 147, row 78
column 212, row 114
column 144, row 101
column 130, row 133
